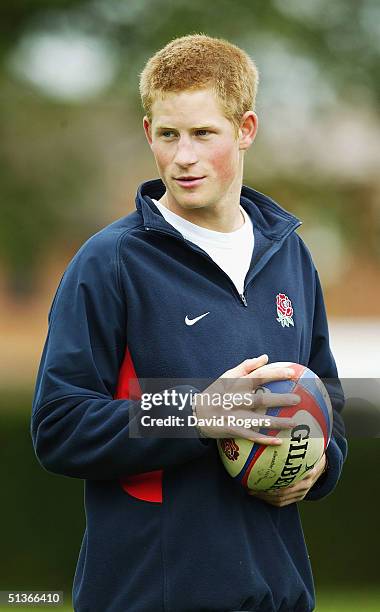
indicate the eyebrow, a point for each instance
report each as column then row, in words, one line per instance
column 200, row 127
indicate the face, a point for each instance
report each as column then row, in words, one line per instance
column 198, row 155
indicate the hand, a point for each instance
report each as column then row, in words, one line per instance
column 294, row 493
column 243, row 384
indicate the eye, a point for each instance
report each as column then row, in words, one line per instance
column 203, row 132
column 166, row 132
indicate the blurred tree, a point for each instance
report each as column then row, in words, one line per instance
column 46, row 169
column 342, row 37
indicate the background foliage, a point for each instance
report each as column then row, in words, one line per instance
column 60, row 156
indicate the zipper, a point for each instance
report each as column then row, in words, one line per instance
column 241, row 296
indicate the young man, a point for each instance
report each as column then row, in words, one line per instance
column 189, row 286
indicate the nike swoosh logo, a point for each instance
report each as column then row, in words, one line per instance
column 192, row 321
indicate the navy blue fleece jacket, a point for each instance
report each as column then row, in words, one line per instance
column 167, row 529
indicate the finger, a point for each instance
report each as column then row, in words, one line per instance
column 285, row 492
column 307, row 486
column 314, row 473
column 277, row 423
column 295, row 498
column 282, row 494
column 270, row 400
column 246, row 366
column 278, row 494
column 309, row 477
column 298, row 487
column 258, row 421
column 267, row 373
column 307, row 480
column 253, row 436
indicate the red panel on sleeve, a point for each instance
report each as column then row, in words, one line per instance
column 148, row 485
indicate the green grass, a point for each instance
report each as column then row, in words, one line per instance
column 348, row 601
column 35, row 609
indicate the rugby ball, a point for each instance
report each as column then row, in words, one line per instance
column 262, row 468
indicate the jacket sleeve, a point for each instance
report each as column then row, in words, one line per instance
column 78, row 429
column 322, row 362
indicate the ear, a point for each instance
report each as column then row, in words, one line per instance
column 147, row 129
column 248, row 130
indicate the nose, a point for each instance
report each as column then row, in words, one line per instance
column 185, row 154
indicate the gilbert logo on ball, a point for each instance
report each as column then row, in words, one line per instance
column 263, row 468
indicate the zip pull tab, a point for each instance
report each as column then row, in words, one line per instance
column 243, row 299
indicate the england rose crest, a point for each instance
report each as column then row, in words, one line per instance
column 284, row 310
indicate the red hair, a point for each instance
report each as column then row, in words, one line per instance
column 198, row 61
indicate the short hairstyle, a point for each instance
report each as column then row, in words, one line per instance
column 197, row 61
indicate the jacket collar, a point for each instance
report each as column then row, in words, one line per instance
column 273, row 221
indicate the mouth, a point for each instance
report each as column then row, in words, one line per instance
column 191, row 181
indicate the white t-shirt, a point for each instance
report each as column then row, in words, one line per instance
column 232, row 251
